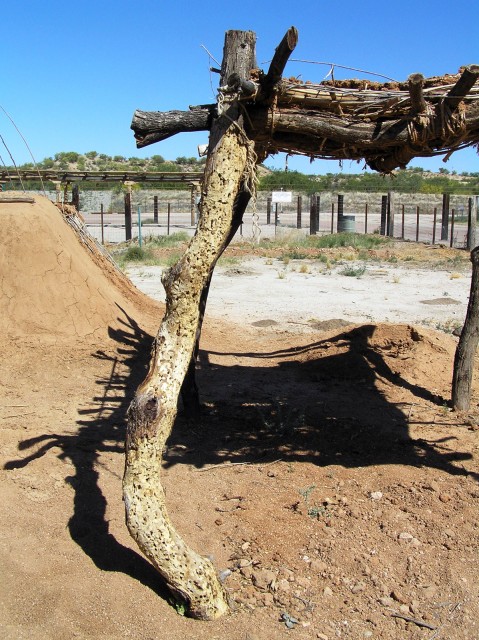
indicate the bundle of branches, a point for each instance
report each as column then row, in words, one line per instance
column 384, row 124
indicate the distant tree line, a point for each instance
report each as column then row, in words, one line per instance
column 414, row 180
column 409, row 180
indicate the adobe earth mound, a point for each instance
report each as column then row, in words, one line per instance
column 53, row 285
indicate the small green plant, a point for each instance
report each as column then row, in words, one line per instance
column 353, row 272
column 314, row 510
column 172, row 240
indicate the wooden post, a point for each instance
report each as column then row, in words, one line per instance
column 340, row 212
column 168, row 219
column 268, row 211
column 403, row 221
column 390, row 215
column 453, row 215
column 298, row 213
column 434, row 226
column 445, row 217
column 229, row 168
column 155, row 209
column 128, row 215
column 332, row 217
column 101, row 223
column 384, row 213
column 76, row 196
column 366, row 218
column 312, row 216
column 467, row 345
column 417, row 223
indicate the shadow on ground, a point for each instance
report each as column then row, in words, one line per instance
column 310, row 406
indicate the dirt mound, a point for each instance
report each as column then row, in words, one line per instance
column 335, row 491
column 52, row 284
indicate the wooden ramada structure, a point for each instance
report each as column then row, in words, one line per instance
column 258, row 114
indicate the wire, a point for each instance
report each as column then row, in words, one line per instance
column 341, row 66
column 26, row 144
column 13, row 161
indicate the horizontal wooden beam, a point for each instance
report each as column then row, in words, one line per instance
column 102, row 176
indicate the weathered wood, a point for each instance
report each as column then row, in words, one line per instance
column 278, row 63
column 190, row 577
column 467, row 345
column 244, row 87
column 416, row 84
column 462, row 87
column 384, row 143
column 155, row 126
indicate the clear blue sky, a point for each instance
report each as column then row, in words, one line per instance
column 73, row 73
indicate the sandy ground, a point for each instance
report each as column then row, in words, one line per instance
column 301, row 294
column 334, row 490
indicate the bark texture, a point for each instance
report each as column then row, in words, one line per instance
column 467, row 345
column 190, row 577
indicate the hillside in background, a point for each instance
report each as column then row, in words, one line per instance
column 409, row 180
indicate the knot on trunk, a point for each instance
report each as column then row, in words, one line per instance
column 143, row 415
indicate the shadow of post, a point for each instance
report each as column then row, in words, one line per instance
column 325, row 409
column 309, row 407
column 101, row 429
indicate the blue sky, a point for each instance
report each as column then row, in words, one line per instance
column 73, row 73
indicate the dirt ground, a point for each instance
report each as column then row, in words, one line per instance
column 330, row 483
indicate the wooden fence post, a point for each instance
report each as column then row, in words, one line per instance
column 434, row 226
column 318, row 207
column 76, row 196
column 340, row 212
column 312, row 216
column 390, row 215
column 366, row 218
column 403, row 221
column 445, row 217
column 128, row 215
column 299, row 212
column 467, row 345
column 155, row 209
column 168, row 219
column 332, row 217
column 417, row 223
column 268, row 211
column 384, row 210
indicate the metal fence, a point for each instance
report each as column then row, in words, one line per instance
column 424, row 218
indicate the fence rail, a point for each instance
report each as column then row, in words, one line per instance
column 444, row 219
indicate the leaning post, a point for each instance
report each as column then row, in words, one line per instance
column 228, row 182
column 467, row 345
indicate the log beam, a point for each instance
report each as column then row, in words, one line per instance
column 154, row 126
column 462, row 87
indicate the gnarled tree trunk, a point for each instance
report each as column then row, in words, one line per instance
column 467, row 345
column 190, row 577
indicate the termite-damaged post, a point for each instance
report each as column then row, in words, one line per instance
column 226, row 189
column 467, row 345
